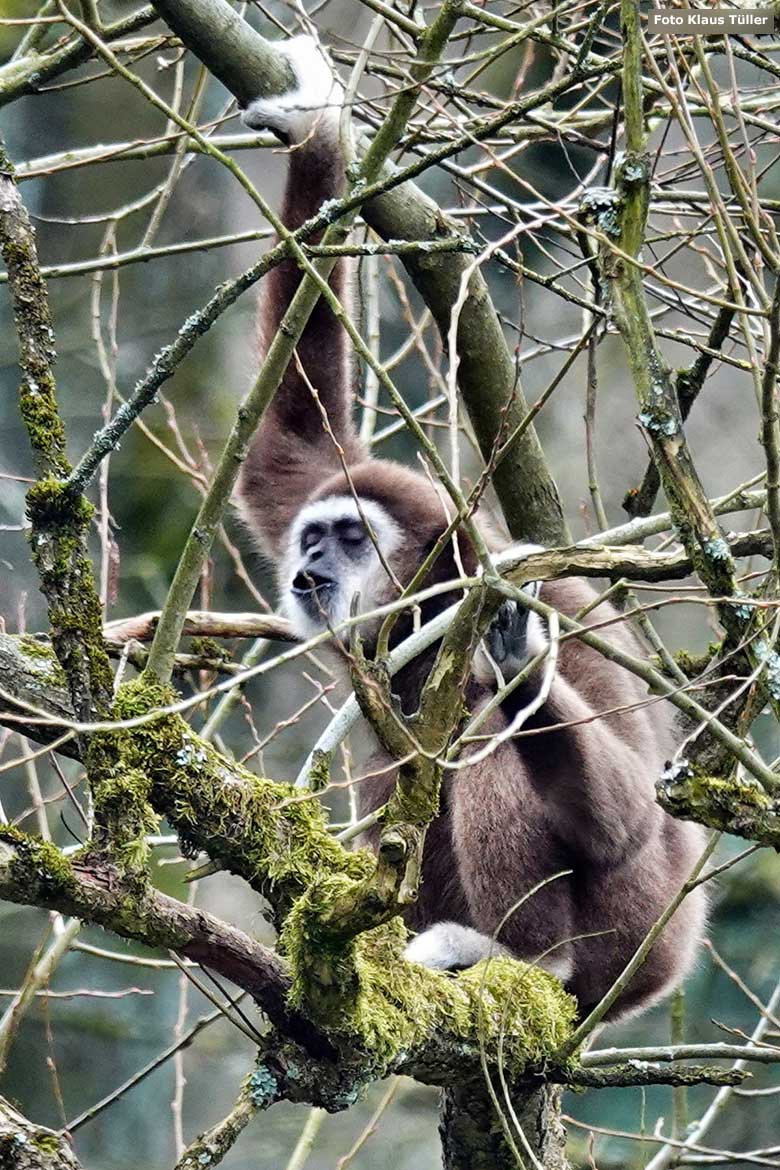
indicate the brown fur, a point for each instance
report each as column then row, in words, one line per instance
column 577, row 797
column 291, row 453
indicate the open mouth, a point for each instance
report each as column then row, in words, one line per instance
column 310, row 583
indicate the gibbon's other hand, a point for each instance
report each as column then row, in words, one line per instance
column 315, row 100
column 515, row 635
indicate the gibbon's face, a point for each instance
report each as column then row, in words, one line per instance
column 331, row 556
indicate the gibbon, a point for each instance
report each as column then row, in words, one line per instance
column 575, row 790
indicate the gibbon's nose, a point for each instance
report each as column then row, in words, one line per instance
column 308, row 581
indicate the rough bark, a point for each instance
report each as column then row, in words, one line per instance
column 473, row 1137
column 24, row 1146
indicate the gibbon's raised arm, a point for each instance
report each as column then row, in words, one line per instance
column 291, row 452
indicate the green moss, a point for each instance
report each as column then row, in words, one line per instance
column 692, row 664
column 32, row 648
column 262, row 830
column 210, row 649
column 734, row 803
column 46, row 1143
column 319, row 772
column 43, row 656
column 38, row 408
column 60, row 520
column 354, row 987
column 122, row 809
column 37, row 393
column 36, row 864
column 364, row 987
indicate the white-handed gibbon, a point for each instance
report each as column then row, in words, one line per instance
column 575, row 790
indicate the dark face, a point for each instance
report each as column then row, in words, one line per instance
column 332, row 556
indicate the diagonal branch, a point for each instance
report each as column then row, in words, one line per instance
column 34, row 873
column 687, row 385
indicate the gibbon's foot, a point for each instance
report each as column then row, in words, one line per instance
column 315, row 101
column 448, row 946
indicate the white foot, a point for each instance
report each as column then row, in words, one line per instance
column 447, row 946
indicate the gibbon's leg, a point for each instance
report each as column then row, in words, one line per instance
column 291, row 454
column 501, row 846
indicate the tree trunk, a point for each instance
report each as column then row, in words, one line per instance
column 473, row 1137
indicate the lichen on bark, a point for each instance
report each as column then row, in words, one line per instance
column 733, row 803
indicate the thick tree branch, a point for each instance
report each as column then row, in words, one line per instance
column 33, row 873
column 200, row 623
column 24, row 1146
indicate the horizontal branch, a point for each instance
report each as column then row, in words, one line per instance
column 33, row 873
column 66, row 160
column 201, row 623
column 762, row 1054
column 640, row 1072
column 630, row 561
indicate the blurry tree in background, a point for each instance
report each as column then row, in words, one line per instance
column 580, row 207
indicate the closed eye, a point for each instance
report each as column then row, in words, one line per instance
column 312, row 534
column 350, row 532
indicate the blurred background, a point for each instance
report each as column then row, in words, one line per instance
column 107, row 1018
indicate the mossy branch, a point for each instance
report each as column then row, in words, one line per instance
column 380, row 1012
column 37, row 392
column 24, row 1146
column 35, row 873
column 734, row 803
column 59, row 518
column 34, row 687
